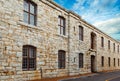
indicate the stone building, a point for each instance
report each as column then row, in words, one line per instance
column 40, row 39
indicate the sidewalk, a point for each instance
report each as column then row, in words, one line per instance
column 64, row 77
column 77, row 76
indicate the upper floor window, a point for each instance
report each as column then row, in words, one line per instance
column 114, row 47
column 102, row 42
column 80, row 60
column 29, row 58
column 118, row 48
column 30, row 9
column 61, row 59
column 108, row 44
column 61, row 24
column 80, row 33
column 93, row 41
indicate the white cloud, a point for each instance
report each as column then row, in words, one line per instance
column 111, row 27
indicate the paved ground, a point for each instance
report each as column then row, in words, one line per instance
column 108, row 76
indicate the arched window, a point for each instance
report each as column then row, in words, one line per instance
column 80, row 60
column 61, row 59
column 29, row 57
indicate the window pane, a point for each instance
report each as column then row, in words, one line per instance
column 62, row 22
column 32, row 20
column 26, row 6
column 58, row 21
column 31, row 52
column 25, row 51
column 61, row 30
column 25, row 17
column 32, row 63
column 32, row 9
column 25, row 63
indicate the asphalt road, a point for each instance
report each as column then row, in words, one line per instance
column 108, row 76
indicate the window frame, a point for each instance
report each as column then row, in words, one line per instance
column 102, row 41
column 62, row 28
column 29, row 13
column 102, row 61
column 81, row 33
column 81, row 60
column 61, row 59
column 28, row 57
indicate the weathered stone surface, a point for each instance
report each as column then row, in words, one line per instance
column 14, row 33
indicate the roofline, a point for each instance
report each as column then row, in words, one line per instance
column 71, row 12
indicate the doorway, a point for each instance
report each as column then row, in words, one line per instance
column 92, row 63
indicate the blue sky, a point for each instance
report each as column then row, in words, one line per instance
column 104, row 14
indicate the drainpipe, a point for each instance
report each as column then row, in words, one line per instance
column 41, row 72
column 68, row 43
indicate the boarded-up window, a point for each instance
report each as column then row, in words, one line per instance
column 80, row 33
column 80, row 60
column 29, row 58
column 61, row 59
column 61, row 25
column 30, row 9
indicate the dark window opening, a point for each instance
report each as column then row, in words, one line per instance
column 102, row 42
column 93, row 41
column 61, row 59
column 102, row 61
column 109, row 61
column 81, row 60
column 80, row 33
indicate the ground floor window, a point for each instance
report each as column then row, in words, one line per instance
column 102, row 61
column 29, row 58
column 80, row 60
column 61, row 59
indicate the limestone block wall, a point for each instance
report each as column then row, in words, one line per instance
column 14, row 33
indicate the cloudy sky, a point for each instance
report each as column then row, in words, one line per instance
column 104, row 14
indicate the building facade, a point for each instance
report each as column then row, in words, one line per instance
column 40, row 39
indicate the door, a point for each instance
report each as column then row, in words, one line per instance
column 92, row 63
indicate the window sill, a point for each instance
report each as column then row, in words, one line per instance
column 64, row 36
column 28, row 25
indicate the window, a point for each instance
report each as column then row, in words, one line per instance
column 102, row 42
column 109, row 61
column 80, row 33
column 93, row 40
column 118, row 48
column 102, row 61
column 61, row 59
column 114, row 47
column 61, row 24
column 80, row 60
column 118, row 62
column 114, row 61
column 108, row 44
column 30, row 9
column 29, row 58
